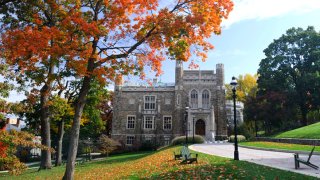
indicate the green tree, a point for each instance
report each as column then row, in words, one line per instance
column 291, row 67
column 93, row 112
column 61, row 113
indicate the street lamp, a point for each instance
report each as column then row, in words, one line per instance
column 89, row 149
column 186, row 116
column 193, row 130
column 234, row 86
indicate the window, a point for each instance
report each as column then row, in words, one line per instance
column 205, row 99
column 167, row 122
column 194, row 99
column 148, row 122
column 148, row 139
column 150, row 102
column 166, row 141
column 130, row 122
column 130, row 140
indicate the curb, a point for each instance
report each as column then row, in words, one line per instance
column 280, row 150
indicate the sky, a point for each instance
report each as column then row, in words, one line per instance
column 250, row 28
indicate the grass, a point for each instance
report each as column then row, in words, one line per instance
column 306, row 132
column 282, row 146
column 160, row 165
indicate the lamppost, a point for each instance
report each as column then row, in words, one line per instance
column 234, row 86
column 89, row 149
column 186, row 116
column 193, row 130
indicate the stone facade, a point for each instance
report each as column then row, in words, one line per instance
column 230, row 114
column 158, row 113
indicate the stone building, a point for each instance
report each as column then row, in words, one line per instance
column 158, row 113
column 230, row 114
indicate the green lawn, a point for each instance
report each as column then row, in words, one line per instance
column 160, row 165
column 282, row 146
column 307, row 132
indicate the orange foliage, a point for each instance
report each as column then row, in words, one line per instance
column 123, row 38
column 3, row 147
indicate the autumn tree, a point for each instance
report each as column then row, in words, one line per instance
column 124, row 36
column 104, row 40
column 106, row 145
column 247, row 87
column 35, row 46
column 12, row 140
column 291, row 67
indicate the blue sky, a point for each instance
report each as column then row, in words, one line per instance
column 252, row 26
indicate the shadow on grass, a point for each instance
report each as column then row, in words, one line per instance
column 125, row 157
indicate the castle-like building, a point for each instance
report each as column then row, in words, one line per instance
column 195, row 103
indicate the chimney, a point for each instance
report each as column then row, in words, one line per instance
column 155, row 81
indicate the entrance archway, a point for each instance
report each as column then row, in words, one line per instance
column 200, row 127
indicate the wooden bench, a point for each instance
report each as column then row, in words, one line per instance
column 186, row 156
column 179, row 154
column 80, row 161
column 307, row 162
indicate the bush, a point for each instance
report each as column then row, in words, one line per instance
column 106, row 145
column 239, row 137
column 245, row 129
column 9, row 141
column 149, row 146
column 182, row 140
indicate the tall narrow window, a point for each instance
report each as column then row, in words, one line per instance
column 150, row 102
column 148, row 122
column 167, row 122
column 130, row 122
column 205, row 99
column 194, row 99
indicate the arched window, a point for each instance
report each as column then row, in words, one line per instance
column 205, row 99
column 194, row 99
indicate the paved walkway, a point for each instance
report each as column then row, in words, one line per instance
column 280, row 160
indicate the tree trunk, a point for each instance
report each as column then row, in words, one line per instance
column 75, row 130
column 45, row 128
column 59, row 143
column 304, row 113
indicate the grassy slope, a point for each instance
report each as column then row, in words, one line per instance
column 161, row 165
column 307, row 132
column 283, row 146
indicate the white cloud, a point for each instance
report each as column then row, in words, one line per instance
column 262, row 9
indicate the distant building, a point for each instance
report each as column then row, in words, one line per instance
column 158, row 113
column 15, row 123
column 230, row 112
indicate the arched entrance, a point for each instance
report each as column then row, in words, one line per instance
column 200, row 127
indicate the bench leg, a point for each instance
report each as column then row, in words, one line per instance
column 296, row 162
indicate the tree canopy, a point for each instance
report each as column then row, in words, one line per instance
column 291, row 67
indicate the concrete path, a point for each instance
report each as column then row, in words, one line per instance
column 280, row 160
